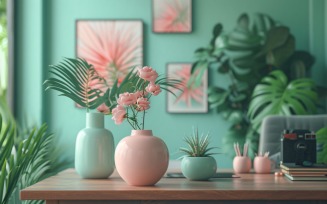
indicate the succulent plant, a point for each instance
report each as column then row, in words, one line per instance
column 198, row 146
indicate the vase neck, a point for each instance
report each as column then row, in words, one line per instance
column 142, row 132
column 94, row 120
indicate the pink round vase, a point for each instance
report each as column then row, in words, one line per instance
column 141, row 159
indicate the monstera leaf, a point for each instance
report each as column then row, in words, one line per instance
column 322, row 141
column 244, row 46
column 77, row 80
column 275, row 96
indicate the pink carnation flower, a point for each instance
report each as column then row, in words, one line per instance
column 118, row 114
column 154, row 89
column 126, row 99
column 103, row 108
column 142, row 104
column 148, row 74
column 139, row 94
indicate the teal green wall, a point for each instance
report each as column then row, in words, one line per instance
column 45, row 33
column 28, row 60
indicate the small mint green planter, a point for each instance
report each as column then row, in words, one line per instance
column 94, row 151
column 198, row 168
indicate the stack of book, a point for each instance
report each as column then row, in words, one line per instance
column 317, row 172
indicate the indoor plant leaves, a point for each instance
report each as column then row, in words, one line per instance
column 322, row 140
column 252, row 50
column 16, row 160
column 74, row 79
column 275, row 96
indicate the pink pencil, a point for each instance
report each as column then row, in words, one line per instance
column 235, row 149
column 238, row 149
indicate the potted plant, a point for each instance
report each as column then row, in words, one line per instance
column 198, row 164
column 79, row 81
column 267, row 76
column 141, row 158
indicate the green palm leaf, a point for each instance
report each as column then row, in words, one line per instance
column 73, row 79
column 275, row 96
column 14, row 163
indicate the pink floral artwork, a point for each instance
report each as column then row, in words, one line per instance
column 172, row 16
column 113, row 47
column 189, row 98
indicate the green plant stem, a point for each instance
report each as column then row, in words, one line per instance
column 130, row 123
column 128, row 120
column 144, row 110
column 143, row 120
column 135, row 119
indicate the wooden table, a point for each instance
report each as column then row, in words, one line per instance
column 68, row 188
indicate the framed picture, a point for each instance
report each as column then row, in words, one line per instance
column 172, row 16
column 191, row 98
column 111, row 46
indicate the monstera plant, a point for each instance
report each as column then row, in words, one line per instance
column 265, row 72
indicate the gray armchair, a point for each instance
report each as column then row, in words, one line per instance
column 272, row 127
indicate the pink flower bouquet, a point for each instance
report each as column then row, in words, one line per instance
column 125, row 99
column 137, row 100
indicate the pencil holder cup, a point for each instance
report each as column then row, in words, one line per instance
column 241, row 164
column 261, row 165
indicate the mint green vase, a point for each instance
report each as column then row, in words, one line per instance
column 198, row 168
column 94, row 151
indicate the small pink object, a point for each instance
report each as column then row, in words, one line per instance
column 241, row 164
column 141, row 159
column 279, row 173
column 261, row 164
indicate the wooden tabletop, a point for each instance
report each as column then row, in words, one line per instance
column 69, row 186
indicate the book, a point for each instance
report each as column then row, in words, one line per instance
column 293, row 167
column 304, row 173
column 306, row 178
